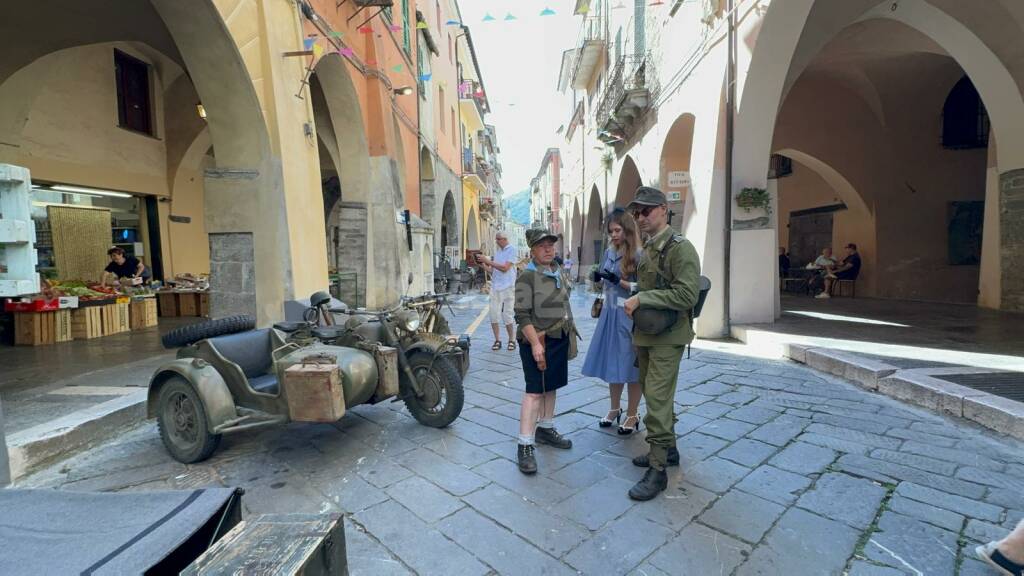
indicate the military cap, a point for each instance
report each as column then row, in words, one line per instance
column 536, row 235
column 647, row 196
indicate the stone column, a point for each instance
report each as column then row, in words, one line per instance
column 1011, row 217
column 5, row 464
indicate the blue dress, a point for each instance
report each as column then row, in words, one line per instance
column 611, row 355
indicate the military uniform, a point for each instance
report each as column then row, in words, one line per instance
column 667, row 278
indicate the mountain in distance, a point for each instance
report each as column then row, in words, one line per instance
column 517, row 207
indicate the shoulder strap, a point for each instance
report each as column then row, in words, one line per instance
column 663, row 277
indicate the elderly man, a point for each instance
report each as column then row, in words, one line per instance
column 503, row 289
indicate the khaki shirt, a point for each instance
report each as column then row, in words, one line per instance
column 681, row 287
column 541, row 303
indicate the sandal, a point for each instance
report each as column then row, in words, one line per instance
column 511, row 345
column 496, row 345
column 607, row 422
column 994, row 558
column 627, row 430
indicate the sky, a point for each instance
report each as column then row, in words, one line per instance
column 519, row 61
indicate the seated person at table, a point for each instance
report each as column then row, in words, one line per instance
column 122, row 266
column 825, row 262
column 783, row 263
column 848, row 270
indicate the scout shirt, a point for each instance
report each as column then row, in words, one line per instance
column 542, row 300
column 682, row 286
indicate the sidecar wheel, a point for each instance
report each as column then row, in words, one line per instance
column 181, row 419
column 443, row 394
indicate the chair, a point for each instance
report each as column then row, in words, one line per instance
column 839, row 285
column 705, row 287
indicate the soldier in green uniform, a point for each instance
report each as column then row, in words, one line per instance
column 662, row 311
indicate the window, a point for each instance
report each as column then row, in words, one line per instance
column 406, row 37
column 639, row 19
column 450, row 58
column 437, row 6
column 965, row 122
column 441, row 106
column 455, row 134
column 133, row 105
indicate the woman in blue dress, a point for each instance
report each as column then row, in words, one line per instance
column 611, row 356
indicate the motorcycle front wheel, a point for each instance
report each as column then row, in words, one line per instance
column 443, row 394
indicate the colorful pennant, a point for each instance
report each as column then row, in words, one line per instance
column 509, row 17
column 425, row 77
column 453, row 23
column 308, row 43
column 421, row 25
column 547, row 12
column 395, row 28
column 397, row 68
column 489, row 18
column 336, row 34
column 348, row 52
column 366, row 30
column 318, row 50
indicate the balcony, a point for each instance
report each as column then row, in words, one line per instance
column 631, row 90
column 592, row 45
column 472, row 172
column 471, row 107
column 488, row 208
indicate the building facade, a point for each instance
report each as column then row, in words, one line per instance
column 805, row 124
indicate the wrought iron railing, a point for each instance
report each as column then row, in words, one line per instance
column 631, row 72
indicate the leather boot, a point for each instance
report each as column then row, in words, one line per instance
column 653, row 482
column 551, row 437
column 645, row 461
column 527, row 460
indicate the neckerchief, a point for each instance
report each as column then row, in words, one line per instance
column 556, row 275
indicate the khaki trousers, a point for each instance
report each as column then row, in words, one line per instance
column 659, row 370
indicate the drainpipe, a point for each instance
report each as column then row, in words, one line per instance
column 730, row 126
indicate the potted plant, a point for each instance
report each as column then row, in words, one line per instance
column 750, row 198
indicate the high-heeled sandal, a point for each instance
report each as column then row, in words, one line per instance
column 627, row 430
column 606, row 423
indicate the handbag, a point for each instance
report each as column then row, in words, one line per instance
column 596, row 307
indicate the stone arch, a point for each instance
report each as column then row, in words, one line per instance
column 629, row 181
column 344, row 125
column 593, row 233
column 675, row 157
column 576, row 229
column 472, row 230
column 449, row 222
column 243, row 201
column 426, row 164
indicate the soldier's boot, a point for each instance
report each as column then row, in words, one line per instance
column 551, row 437
column 653, row 482
column 527, row 460
column 645, row 460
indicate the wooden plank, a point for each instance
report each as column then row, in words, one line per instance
column 143, row 314
column 188, row 304
column 204, row 304
column 34, row 328
column 62, row 326
column 87, row 323
column 168, row 303
column 279, row 544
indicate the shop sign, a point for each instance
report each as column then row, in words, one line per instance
column 680, row 179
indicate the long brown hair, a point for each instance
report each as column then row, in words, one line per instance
column 630, row 239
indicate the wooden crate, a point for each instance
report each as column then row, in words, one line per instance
column 143, row 314
column 168, row 303
column 116, row 319
column 314, row 392
column 204, row 304
column 87, row 323
column 188, row 304
column 42, row 328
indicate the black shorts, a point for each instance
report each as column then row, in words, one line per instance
column 846, row 275
column 556, row 351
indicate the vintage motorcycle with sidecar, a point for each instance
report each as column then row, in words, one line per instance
column 229, row 377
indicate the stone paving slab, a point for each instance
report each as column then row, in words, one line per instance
column 784, row 471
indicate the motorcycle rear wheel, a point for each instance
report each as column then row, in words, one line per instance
column 443, row 394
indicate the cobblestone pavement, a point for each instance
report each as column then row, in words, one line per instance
column 783, row 471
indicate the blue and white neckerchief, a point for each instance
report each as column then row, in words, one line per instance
column 557, row 276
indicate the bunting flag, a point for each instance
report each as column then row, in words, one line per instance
column 453, row 23
column 657, row 3
column 425, row 77
column 489, row 18
column 308, row 43
column 547, row 12
column 395, row 28
column 366, row 30
column 371, row 62
column 421, row 25
column 336, row 34
column 398, row 68
column 318, row 51
column 509, row 17
column 347, row 52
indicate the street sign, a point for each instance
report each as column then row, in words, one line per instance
column 674, row 196
column 678, row 179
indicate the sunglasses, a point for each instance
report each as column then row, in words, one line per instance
column 645, row 211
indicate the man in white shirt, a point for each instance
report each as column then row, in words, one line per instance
column 503, row 289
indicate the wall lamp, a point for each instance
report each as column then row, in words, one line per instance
column 201, row 110
column 403, row 91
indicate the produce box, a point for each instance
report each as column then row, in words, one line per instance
column 42, row 328
column 27, row 305
column 116, row 319
column 87, row 323
column 95, row 303
column 143, row 313
column 168, row 303
column 204, row 304
column 188, row 304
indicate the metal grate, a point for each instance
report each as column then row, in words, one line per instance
column 1006, row 384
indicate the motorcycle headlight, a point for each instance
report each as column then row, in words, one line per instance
column 408, row 320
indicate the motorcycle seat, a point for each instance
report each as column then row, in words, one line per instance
column 266, row 383
column 328, row 332
column 289, row 327
column 251, row 353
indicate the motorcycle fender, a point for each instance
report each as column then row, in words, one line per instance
column 458, row 357
column 208, row 383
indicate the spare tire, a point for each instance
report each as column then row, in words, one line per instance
column 195, row 332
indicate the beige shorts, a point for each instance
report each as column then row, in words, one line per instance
column 502, row 306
